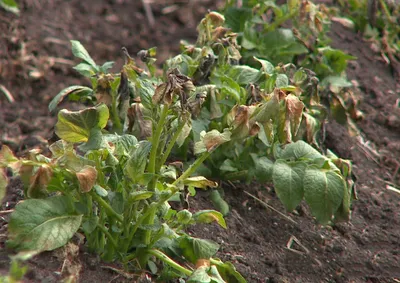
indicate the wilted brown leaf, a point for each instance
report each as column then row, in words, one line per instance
column 87, row 178
column 138, row 125
column 290, row 123
column 39, row 181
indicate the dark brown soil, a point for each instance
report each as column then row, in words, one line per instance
column 36, row 63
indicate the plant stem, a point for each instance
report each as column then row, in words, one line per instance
column 164, row 258
column 192, row 168
column 110, row 238
column 110, row 211
column 154, row 147
column 280, row 21
column 152, row 168
column 386, row 11
column 115, row 119
column 171, row 144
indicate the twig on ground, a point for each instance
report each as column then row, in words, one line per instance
column 149, row 12
column 120, row 272
column 272, row 208
column 393, row 189
column 293, row 239
column 367, row 150
column 6, row 211
column 8, row 94
column 55, row 40
column 56, row 60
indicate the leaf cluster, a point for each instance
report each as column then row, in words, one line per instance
column 220, row 110
column 296, row 32
column 115, row 189
column 377, row 20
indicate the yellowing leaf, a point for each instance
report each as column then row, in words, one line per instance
column 208, row 216
column 3, row 184
column 75, row 126
column 211, row 140
column 39, row 181
column 200, row 182
column 87, row 178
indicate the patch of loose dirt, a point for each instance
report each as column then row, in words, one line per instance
column 35, row 64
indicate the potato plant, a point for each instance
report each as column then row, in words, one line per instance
column 111, row 175
column 296, row 32
column 378, row 21
column 114, row 188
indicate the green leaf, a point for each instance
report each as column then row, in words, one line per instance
column 299, row 150
column 76, row 89
column 343, row 212
column 123, row 144
column 186, row 130
column 208, row 216
column 266, row 66
column 79, row 51
column 106, row 66
column 95, row 140
column 198, row 126
column 200, row 275
column 228, row 165
column 10, row 5
column 219, row 203
column 139, row 195
column 288, row 183
column 168, row 172
column 228, row 271
column 336, row 59
column 281, row 81
column 336, row 81
column 235, row 18
column 264, row 169
column 85, row 69
column 184, row 216
column 278, row 39
column 250, row 38
column 146, row 91
column 324, row 192
column 194, row 249
column 117, row 201
column 136, row 164
column 244, row 75
column 268, row 110
column 90, row 224
column 100, row 190
column 42, row 224
column 75, row 126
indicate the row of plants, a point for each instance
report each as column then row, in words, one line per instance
column 226, row 108
column 379, row 22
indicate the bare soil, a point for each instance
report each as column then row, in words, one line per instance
column 36, row 63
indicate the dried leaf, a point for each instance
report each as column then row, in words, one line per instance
column 292, row 118
column 137, row 124
column 39, row 181
column 87, row 178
